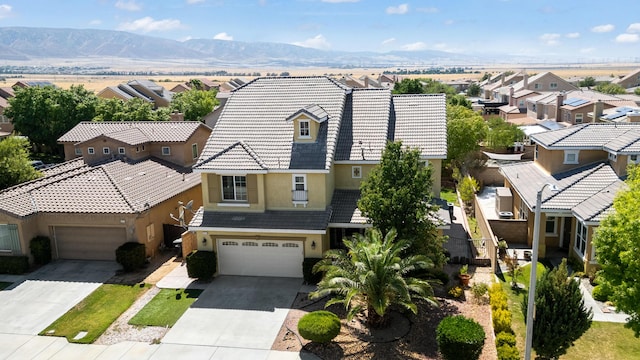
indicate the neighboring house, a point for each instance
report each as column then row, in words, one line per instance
column 146, row 90
column 282, row 169
column 206, row 85
column 33, row 83
column 6, row 126
column 630, row 80
column 388, row 81
column 491, row 90
column 618, row 114
column 89, row 208
column 232, row 84
column 588, row 164
column 516, row 110
column 363, row 82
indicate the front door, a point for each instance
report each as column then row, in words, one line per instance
column 565, row 239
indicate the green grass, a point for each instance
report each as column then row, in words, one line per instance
column 166, row 307
column 449, row 195
column 4, row 285
column 96, row 312
column 474, row 230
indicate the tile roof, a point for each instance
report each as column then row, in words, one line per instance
column 154, row 131
column 421, row 122
column 627, row 143
column 111, row 187
column 345, row 208
column 122, row 93
column 573, row 194
column 598, row 206
column 285, row 220
column 585, row 136
column 238, row 156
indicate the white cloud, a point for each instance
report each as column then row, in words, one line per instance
column 5, row 10
column 416, row 46
column 223, row 36
column 634, row 28
column 603, row 28
column 398, row 10
column 573, row 35
column 448, row 22
column 389, row 41
column 316, row 42
column 429, row 10
column 340, row 1
column 186, row 38
column 148, row 24
column 194, row 1
column 587, row 50
column 95, row 22
column 440, row 46
column 550, row 39
column 262, row 2
column 627, row 38
column 128, row 5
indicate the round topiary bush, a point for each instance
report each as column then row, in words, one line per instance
column 459, row 338
column 508, row 352
column 319, row 326
column 201, row 264
column 601, row 293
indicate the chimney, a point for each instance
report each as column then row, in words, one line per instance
column 597, row 111
column 559, row 101
column 177, row 116
column 512, row 101
column 525, row 81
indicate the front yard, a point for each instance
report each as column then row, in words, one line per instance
column 166, row 307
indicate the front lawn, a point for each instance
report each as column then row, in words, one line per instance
column 166, row 307
column 4, row 285
column 96, row 312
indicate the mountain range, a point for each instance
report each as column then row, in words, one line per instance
column 28, row 44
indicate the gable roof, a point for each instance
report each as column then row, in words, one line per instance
column 238, row 156
column 585, row 136
column 133, row 131
column 420, row 122
column 312, row 111
column 113, row 187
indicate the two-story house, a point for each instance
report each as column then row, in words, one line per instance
column 282, row 168
column 587, row 163
column 146, row 90
column 122, row 182
column 631, row 80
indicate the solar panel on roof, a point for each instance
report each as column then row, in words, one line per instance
column 570, row 101
column 615, row 115
column 580, row 102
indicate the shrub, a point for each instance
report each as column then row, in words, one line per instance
column 307, row 271
column 201, row 264
column 459, row 338
column 440, row 275
column 507, row 352
column 479, row 290
column 319, row 326
column 502, row 321
column 498, row 300
column 601, row 293
column 41, row 249
column 14, row 265
column 575, row 264
column 131, row 256
column 456, row 292
column 505, row 338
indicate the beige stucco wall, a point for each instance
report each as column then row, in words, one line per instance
column 553, row 160
column 345, row 181
column 211, row 238
column 107, row 93
column 545, row 82
column 278, row 188
column 313, row 129
column 211, row 202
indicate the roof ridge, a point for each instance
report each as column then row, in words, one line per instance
column 252, row 153
column 587, row 173
column 605, row 208
column 575, row 128
column 118, row 188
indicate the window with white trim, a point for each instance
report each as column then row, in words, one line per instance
column 194, row 151
column 9, row 240
column 579, row 118
column 121, row 150
column 536, row 86
column 78, row 151
column 305, row 129
column 91, row 151
column 521, row 103
column 633, row 159
column 166, row 150
column 551, row 225
column 234, row 188
column 571, row 156
column 524, row 212
column 106, row 151
column 581, row 238
column 535, row 153
column 356, row 172
column 299, row 184
column 553, row 85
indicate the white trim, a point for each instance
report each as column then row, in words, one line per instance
column 567, row 153
column 306, row 121
column 297, row 171
column 349, row 226
column 229, row 172
column 250, row 230
column 555, row 225
column 91, row 150
column 353, row 172
column 357, row 162
column 233, row 204
column 197, row 152
column 168, row 152
column 78, row 151
column 293, row 181
column 123, row 152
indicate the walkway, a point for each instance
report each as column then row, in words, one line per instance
column 458, row 243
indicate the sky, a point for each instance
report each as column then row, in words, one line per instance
column 575, row 30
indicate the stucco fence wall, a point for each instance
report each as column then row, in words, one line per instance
column 491, row 242
column 511, row 230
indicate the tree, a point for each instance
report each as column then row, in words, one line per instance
column 15, row 166
column 373, row 274
column 408, row 86
column 637, row 91
column 560, row 314
column 502, row 134
column 459, row 100
column 397, row 195
column 194, row 104
column 474, row 90
column 485, row 76
column 612, row 89
column 587, row 82
column 135, row 109
column 436, row 87
column 468, row 187
column 43, row 114
column 465, row 130
column 617, row 240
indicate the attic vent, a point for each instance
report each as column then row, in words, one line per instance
column 142, row 173
column 128, row 178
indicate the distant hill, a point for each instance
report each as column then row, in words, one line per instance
column 24, row 43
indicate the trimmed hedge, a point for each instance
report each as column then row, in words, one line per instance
column 41, row 249
column 505, row 338
column 131, row 255
column 201, row 264
column 319, row 326
column 601, row 293
column 507, row 352
column 459, row 337
column 14, row 265
column 307, row 271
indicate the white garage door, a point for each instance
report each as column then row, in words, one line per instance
column 88, row 243
column 260, row 257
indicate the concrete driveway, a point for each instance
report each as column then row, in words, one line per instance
column 30, row 305
column 236, row 312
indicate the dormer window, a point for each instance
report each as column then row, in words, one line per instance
column 305, row 129
column 571, row 156
column 307, row 121
column 613, row 157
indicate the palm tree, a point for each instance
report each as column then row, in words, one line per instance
column 373, row 274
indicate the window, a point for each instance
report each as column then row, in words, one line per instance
column 571, row 156
column 234, row 188
column 142, row 147
column 553, row 86
column 9, row 240
column 356, row 172
column 305, row 131
column 194, row 151
column 535, row 154
column 78, row 151
column 578, row 118
column 166, row 150
column 521, row 103
column 551, row 225
column 137, row 149
column 249, row 243
column 121, row 151
column 567, row 116
column 299, row 187
column 106, row 151
column 91, row 151
column 269, row 244
column 533, row 107
column 633, row 159
column 536, row 86
column 524, row 212
column 151, row 232
column 613, row 157
column 581, row 238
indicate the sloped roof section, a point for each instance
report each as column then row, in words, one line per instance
column 591, row 183
column 155, row 131
column 345, row 208
column 421, row 122
column 132, row 136
column 273, row 220
column 313, row 111
column 238, row 156
column 598, row 206
column 586, row 136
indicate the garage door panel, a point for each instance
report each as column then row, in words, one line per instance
column 88, row 243
column 260, row 258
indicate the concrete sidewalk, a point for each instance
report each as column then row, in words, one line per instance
column 598, row 314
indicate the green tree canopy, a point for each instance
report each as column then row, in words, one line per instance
column 15, row 166
column 617, row 241
column 194, row 104
column 560, row 314
column 436, row 87
column 502, row 134
column 43, row 114
column 587, row 82
column 637, row 91
column 135, row 109
column 465, row 130
column 474, row 90
column 612, row 89
column 408, row 86
column 397, row 194
column 373, row 273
